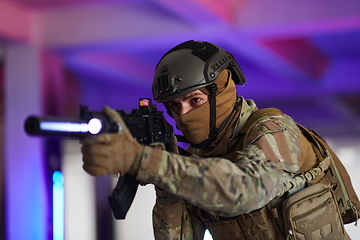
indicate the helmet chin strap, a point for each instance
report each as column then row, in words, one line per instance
column 214, row 132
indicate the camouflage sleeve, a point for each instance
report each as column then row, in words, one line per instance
column 170, row 217
column 256, row 175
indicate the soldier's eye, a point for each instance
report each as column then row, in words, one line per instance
column 195, row 100
column 174, row 105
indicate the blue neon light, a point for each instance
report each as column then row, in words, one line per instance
column 58, row 206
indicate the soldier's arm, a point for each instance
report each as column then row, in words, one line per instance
column 173, row 218
column 261, row 171
column 170, row 217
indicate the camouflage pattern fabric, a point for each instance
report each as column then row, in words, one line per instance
column 224, row 187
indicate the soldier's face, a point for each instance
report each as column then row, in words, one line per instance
column 188, row 102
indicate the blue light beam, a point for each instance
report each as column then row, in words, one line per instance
column 58, row 206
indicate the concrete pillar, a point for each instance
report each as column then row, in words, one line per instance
column 2, row 171
column 27, row 183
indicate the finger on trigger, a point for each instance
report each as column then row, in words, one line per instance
column 115, row 117
column 112, row 114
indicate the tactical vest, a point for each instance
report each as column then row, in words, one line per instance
column 267, row 223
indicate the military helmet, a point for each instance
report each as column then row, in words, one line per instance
column 190, row 66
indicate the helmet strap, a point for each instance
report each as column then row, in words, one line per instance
column 168, row 110
column 213, row 131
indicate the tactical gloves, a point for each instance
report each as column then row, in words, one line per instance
column 112, row 153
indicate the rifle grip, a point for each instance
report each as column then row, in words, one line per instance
column 123, row 195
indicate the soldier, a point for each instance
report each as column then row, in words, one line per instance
column 235, row 172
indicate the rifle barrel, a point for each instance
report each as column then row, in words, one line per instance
column 53, row 126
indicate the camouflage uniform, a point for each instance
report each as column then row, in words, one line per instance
column 227, row 186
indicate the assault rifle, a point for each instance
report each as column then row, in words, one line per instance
column 146, row 124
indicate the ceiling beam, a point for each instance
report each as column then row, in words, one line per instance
column 262, row 56
column 106, row 24
column 16, row 22
column 118, row 67
column 289, row 19
column 203, row 12
column 337, row 78
column 302, row 54
column 112, row 25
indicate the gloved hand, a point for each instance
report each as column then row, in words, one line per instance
column 111, row 153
